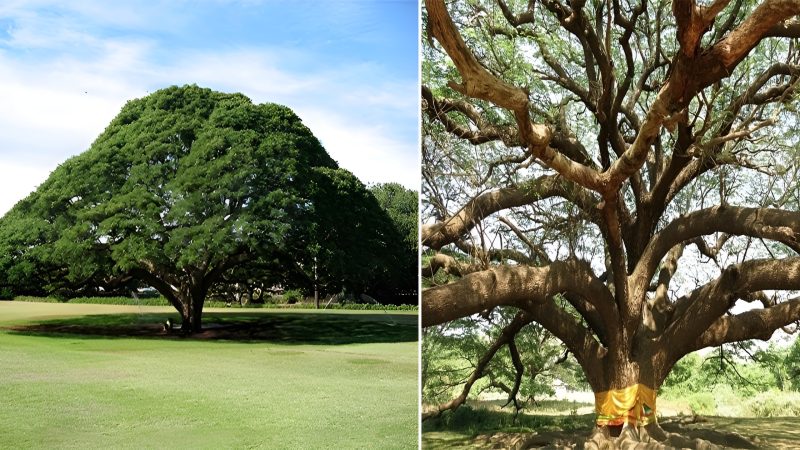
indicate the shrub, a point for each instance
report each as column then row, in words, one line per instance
column 775, row 404
column 292, row 296
column 6, row 294
column 272, row 302
column 373, row 307
column 703, row 403
column 26, row 298
column 270, row 299
column 157, row 301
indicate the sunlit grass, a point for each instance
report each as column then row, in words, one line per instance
column 70, row 391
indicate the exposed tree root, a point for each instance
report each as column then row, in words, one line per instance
column 653, row 437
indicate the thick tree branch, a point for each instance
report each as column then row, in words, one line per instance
column 697, row 311
column 693, row 21
column 451, row 229
column 519, row 371
column 767, row 223
column 788, row 29
column 753, row 324
column 519, row 286
column 450, row 265
column 694, row 70
column 657, row 310
column 483, row 132
column 163, row 287
column 520, row 19
column 477, row 82
column 588, row 352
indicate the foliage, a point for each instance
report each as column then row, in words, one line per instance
column 703, row 403
column 694, row 373
column 374, row 307
column 293, row 296
column 734, row 381
column 401, row 205
column 783, row 364
column 27, row 298
column 161, row 301
column 608, row 170
column 793, row 363
column 469, row 420
column 775, row 404
column 450, row 353
column 189, row 188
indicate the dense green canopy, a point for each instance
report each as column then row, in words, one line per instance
column 402, row 206
column 184, row 186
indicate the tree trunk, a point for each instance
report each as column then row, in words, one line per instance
column 191, row 315
column 629, row 400
column 626, row 391
column 316, row 285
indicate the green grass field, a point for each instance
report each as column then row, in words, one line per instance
column 339, row 379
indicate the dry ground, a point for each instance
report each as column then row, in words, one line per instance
column 728, row 432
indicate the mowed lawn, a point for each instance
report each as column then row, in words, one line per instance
column 340, row 379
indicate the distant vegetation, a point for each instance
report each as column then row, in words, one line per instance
column 739, row 380
column 278, row 302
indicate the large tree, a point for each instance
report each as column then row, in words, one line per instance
column 400, row 284
column 184, row 186
column 637, row 159
column 349, row 243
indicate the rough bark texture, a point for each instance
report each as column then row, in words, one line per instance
column 632, row 326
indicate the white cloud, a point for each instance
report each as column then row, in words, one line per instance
column 368, row 152
column 254, row 72
column 54, row 110
column 55, row 105
column 18, row 180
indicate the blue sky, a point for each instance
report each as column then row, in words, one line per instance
column 348, row 68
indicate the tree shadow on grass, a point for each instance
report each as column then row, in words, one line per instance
column 478, row 428
column 284, row 328
column 761, row 432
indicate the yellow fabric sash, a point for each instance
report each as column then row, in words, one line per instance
column 633, row 405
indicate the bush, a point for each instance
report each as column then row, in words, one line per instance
column 157, row 301
column 703, row 403
column 292, row 296
column 473, row 420
column 273, row 302
column 373, row 307
column 775, row 404
column 6, row 294
column 26, row 298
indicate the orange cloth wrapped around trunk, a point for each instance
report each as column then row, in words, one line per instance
column 633, row 405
